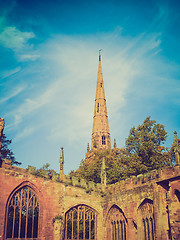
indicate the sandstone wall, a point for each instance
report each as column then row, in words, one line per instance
column 161, row 188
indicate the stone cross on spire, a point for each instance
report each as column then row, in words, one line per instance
column 100, row 132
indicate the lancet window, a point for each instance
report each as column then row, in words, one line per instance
column 22, row 215
column 116, row 226
column 146, row 213
column 98, row 107
column 103, row 140
column 81, row 223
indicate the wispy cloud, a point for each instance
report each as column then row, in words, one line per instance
column 12, row 94
column 26, row 132
column 13, row 38
column 18, row 41
column 61, row 100
column 9, row 73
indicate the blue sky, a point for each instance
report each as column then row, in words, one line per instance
column 48, row 72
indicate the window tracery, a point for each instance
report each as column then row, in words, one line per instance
column 146, row 212
column 22, row 215
column 81, row 223
column 103, row 140
column 116, row 224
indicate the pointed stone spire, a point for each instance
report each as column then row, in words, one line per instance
column 176, row 148
column 61, row 173
column 100, row 132
column 1, row 132
column 115, row 145
column 88, row 148
column 103, row 174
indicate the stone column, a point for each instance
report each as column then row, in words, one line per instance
column 61, row 173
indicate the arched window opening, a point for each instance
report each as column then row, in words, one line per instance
column 177, row 193
column 81, row 223
column 22, row 215
column 103, row 140
column 146, row 213
column 117, row 221
column 98, row 107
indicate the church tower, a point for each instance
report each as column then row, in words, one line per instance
column 100, row 132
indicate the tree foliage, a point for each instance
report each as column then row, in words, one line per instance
column 144, row 147
column 90, row 168
column 6, row 152
column 144, row 151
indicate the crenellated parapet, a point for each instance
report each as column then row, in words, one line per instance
column 154, row 176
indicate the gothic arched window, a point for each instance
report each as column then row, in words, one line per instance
column 116, row 224
column 177, row 193
column 22, row 215
column 103, row 140
column 147, row 219
column 81, row 223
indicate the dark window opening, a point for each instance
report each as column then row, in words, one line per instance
column 177, row 193
column 98, row 107
column 101, row 84
column 103, row 140
column 81, row 223
column 22, row 215
column 148, row 226
column 116, row 225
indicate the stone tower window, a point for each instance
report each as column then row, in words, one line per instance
column 81, row 223
column 103, row 140
column 101, row 84
column 22, row 215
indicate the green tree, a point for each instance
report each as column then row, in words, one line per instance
column 144, row 147
column 143, row 152
column 90, row 168
column 6, row 152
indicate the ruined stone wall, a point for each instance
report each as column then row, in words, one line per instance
column 48, row 192
column 157, row 189
column 55, row 199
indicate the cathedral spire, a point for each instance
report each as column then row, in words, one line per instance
column 100, row 133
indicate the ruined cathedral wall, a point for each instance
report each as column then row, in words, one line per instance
column 135, row 195
column 48, row 192
column 55, row 199
column 75, row 196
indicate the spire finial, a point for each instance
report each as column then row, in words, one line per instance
column 115, row 145
column 100, row 54
column 175, row 135
column 88, row 148
column 176, row 148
